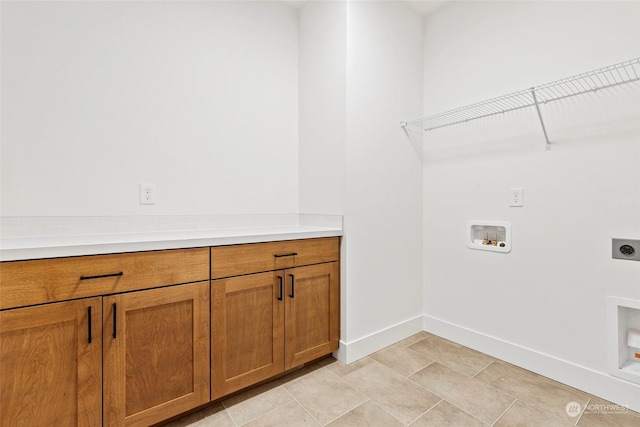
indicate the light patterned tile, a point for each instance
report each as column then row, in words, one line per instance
column 533, row 389
column 446, row 414
column 214, row 415
column 600, row 413
column 325, row 395
column 326, row 361
column 366, row 415
column 437, row 338
column 297, row 373
column 256, row 402
column 341, row 369
column 397, row 395
column 521, row 414
column 475, row 397
column 385, row 397
column 414, row 338
column 453, row 355
column 402, row 359
column 290, row 415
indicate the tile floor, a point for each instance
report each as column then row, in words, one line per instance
column 421, row 381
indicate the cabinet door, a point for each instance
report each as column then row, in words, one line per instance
column 312, row 325
column 156, row 353
column 51, row 363
column 247, row 331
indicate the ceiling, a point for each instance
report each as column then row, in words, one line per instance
column 426, row 7
column 422, row 7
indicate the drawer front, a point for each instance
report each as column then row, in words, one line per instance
column 236, row 260
column 25, row 283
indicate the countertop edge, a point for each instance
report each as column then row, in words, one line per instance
column 134, row 245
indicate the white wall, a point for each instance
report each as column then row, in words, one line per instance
column 542, row 306
column 360, row 74
column 323, row 118
column 383, row 212
column 200, row 98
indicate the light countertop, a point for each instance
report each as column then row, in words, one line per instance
column 50, row 240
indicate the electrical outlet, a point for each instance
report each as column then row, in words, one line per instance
column 147, row 194
column 515, row 198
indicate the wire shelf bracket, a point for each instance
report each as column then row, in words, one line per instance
column 591, row 81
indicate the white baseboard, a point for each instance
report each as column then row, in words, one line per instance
column 351, row 351
column 593, row 382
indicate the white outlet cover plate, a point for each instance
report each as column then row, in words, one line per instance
column 515, row 197
column 147, row 194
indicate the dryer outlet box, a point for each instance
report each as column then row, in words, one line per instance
column 625, row 249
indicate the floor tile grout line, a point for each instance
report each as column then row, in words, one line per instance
column 342, row 415
column 425, row 412
column 233, row 420
column 417, row 383
column 528, row 402
column 341, row 379
column 483, row 369
column 273, row 410
column 458, row 347
column 583, row 411
column 419, row 369
column 465, row 411
column 505, row 411
column 442, row 399
column 467, row 376
column 298, row 402
column 350, row 385
column 269, row 411
column 407, row 378
column 409, row 344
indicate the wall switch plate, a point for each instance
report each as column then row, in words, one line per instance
column 147, row 194
column 625, row 249
column 515, row 197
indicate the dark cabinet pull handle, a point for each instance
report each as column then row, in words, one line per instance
column 280, row 286
column 120, row 273
column 89, row 318
column 293, row 283
column 283, row 255
column 114, row 319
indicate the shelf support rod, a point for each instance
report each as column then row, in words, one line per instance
column 544, row 129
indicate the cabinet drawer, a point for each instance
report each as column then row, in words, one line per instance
column 25, row 283
column 236, row 260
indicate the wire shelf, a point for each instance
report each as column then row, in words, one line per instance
column 591, row 81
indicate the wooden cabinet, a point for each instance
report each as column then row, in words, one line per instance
column 51, row 364
column 146, row 352
column 134, row 339
column 40, row 281
column 312, row 313
column 264, row 323
column 156, row 353
column 247, row 332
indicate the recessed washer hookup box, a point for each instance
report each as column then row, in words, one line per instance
column 494, row 236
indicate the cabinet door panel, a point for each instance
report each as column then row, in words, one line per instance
column 51, row 373
column 246, row 331
column 157, row 365
column 312, row 313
